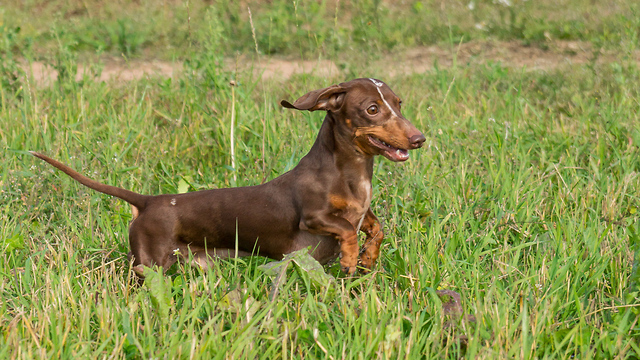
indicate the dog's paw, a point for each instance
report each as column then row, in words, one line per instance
column 138, row 270
column 349, row 270
column 366, row 262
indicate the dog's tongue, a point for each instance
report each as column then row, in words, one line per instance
column 397, row 155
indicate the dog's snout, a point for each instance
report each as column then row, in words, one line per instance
column 416, row 141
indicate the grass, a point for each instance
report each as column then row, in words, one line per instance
column 525, row 199
column 174, row 28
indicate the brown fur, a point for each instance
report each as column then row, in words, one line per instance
column 322, row 203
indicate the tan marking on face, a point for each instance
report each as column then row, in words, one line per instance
column 391, row 133
column 337, row 201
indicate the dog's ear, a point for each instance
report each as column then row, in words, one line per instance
column 328, row 99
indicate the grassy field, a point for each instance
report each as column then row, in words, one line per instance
column 525, row 200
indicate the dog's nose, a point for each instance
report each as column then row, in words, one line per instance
column 416, row 141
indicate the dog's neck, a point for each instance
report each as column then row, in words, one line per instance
column 336, row 141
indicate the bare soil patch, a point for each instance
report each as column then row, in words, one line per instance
column 112, row 69
column 415, row 60
column 511, row 53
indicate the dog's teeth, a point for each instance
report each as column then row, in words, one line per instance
column 399, row 152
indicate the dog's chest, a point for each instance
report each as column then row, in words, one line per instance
column 352, row 201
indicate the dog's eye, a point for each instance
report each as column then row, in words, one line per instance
column 372, row 110
column 399, row 102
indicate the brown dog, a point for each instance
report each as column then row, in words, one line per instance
column 322, row 203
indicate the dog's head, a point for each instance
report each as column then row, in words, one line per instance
column 371, row 112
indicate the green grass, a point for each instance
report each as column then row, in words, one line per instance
column 524, row 200
column 174, row 28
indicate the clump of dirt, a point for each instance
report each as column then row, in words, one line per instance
column 414, row 60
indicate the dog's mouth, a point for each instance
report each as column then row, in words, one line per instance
column 390, row 152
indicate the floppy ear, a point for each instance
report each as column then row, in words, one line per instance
column 323, row 99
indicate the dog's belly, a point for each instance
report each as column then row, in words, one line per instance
column 322, row 248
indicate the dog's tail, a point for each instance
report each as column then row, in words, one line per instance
column 136, row 200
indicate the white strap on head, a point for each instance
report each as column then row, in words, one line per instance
column 378, row 85
column 376, row 82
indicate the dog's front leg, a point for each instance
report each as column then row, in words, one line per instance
column 371, row 248
column 342, row 229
